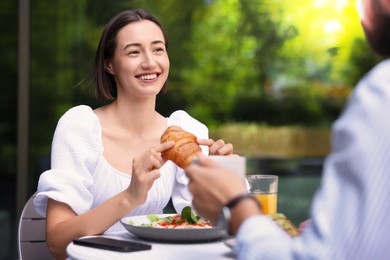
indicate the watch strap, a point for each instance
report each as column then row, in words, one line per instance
column 232, row 203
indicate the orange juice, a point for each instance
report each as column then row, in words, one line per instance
column 268, row 202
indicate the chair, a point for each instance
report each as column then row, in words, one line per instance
column 32, row 234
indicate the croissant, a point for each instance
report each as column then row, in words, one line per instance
column 185, row 147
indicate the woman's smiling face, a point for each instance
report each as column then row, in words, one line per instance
column 140, row 64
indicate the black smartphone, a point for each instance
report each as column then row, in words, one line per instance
column 112, row 244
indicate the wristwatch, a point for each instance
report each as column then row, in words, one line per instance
column 224, row 217
column 224, row 220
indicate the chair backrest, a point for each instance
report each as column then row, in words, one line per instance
column 32, row 234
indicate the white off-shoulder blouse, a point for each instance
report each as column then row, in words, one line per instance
column 82, row 178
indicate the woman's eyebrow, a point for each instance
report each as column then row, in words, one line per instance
column 131, row 45
column 138, row 44
column 158, row 41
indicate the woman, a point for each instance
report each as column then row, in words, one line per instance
column 106, row 163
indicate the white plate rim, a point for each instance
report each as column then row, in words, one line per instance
column 169, row 235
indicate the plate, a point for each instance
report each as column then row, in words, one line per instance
column 169, row 234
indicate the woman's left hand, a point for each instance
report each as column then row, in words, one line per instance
column 218, row 147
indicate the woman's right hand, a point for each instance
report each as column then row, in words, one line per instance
column 146, row 169
column 61, row 219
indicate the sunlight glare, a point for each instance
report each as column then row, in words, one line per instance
column 332, row 26
column 337, row 5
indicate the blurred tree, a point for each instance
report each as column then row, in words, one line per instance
column 231, row 60
column 234, row 46
column 55, row 27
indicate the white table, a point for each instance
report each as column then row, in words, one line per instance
column 171, row 251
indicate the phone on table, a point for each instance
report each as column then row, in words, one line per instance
column 112, row 244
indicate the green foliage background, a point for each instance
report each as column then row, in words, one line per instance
column 264, row 62
column 268, row 76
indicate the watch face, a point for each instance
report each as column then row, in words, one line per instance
column 224, row 220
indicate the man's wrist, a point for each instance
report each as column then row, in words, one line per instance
column 243, row 210
column 237, row 210
column 235, row 201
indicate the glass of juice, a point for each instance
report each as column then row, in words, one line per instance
column 265, row 189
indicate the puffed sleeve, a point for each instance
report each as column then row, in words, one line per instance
column 181, row 196
column 76, row 147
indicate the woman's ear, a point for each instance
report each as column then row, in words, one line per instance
column 108, row 68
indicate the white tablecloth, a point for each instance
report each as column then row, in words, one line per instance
column 171, row 251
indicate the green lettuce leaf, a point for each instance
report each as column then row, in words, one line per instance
column 189, row 215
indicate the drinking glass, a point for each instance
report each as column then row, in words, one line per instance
column 265, row 189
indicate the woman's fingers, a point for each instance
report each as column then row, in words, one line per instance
column 145, row 170
column 164, row 146
column 218, row 147
column 152, row 158
column 226, row 149
column 207, row 142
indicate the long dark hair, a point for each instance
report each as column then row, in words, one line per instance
column 104, row 81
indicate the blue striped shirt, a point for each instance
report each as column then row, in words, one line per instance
column 350, row 211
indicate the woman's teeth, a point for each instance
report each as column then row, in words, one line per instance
column 148, row 77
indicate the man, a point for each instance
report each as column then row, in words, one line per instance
column 350, row 211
